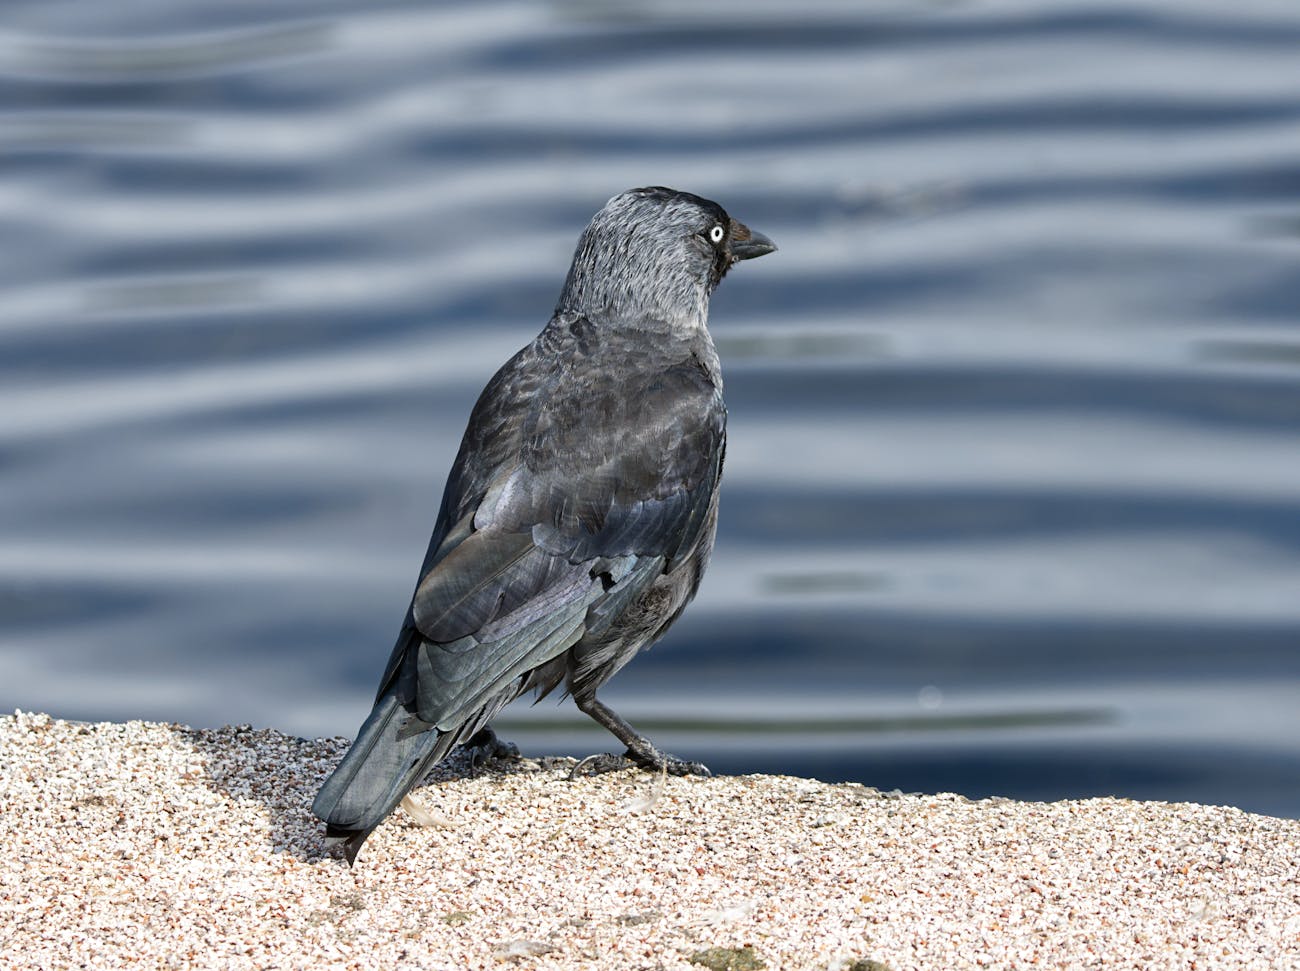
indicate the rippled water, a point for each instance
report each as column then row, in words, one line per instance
column 1012, row 502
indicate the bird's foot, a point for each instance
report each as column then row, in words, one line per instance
column 639, row 749
column 650, row 759
column 599, row 765
column 485, row 746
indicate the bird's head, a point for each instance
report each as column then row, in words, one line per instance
column 656, row 253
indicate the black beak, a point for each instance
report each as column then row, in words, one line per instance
column 747, row 244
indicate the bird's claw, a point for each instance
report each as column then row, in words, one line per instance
column 675, row 766
column 485, row 746
column 652, row 761
column 599, row 764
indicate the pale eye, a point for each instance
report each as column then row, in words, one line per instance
column 716, row 234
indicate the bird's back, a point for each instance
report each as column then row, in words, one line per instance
column 575, row 526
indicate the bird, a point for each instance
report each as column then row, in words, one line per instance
column 579, row 515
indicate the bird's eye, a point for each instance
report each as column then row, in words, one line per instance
column 716, row 233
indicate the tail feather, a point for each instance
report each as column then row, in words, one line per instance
column 383, row 765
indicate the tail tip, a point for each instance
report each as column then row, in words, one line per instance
column 350, row 840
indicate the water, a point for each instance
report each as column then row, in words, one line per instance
column 1012, row 503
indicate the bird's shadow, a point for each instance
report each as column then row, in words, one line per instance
column 282, row 773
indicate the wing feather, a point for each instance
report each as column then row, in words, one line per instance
column 567, row 500
column 453, row 679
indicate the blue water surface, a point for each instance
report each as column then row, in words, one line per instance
column 1012, row 502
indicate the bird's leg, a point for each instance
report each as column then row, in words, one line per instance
column 640, row 750
column 485, row 746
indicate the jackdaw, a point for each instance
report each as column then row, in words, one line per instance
column 579, row 515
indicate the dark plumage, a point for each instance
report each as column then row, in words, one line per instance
column 580, row 513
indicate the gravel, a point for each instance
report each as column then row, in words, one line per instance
column 160, row 846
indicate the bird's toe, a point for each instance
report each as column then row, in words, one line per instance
column 486, row 746
column 652, row 760
column 675, row 766
column 599, row 764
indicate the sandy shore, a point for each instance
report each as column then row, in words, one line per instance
column 159, row 846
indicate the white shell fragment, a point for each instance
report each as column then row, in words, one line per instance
column 421, row 816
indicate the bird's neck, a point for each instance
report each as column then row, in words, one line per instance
column 653, row 341
column 634, row 290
